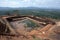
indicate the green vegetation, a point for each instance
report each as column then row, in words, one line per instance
column 37, row 38
column 30, row 23
column 36, row 12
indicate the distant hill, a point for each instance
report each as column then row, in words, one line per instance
column 30, row 8
column 4, row 8
column 44, row 12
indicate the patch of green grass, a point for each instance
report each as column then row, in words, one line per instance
column 37, row 39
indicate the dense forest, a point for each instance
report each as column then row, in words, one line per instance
column 51, row 13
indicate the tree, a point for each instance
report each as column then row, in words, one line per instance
column 7, row 13
column 16, row 12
